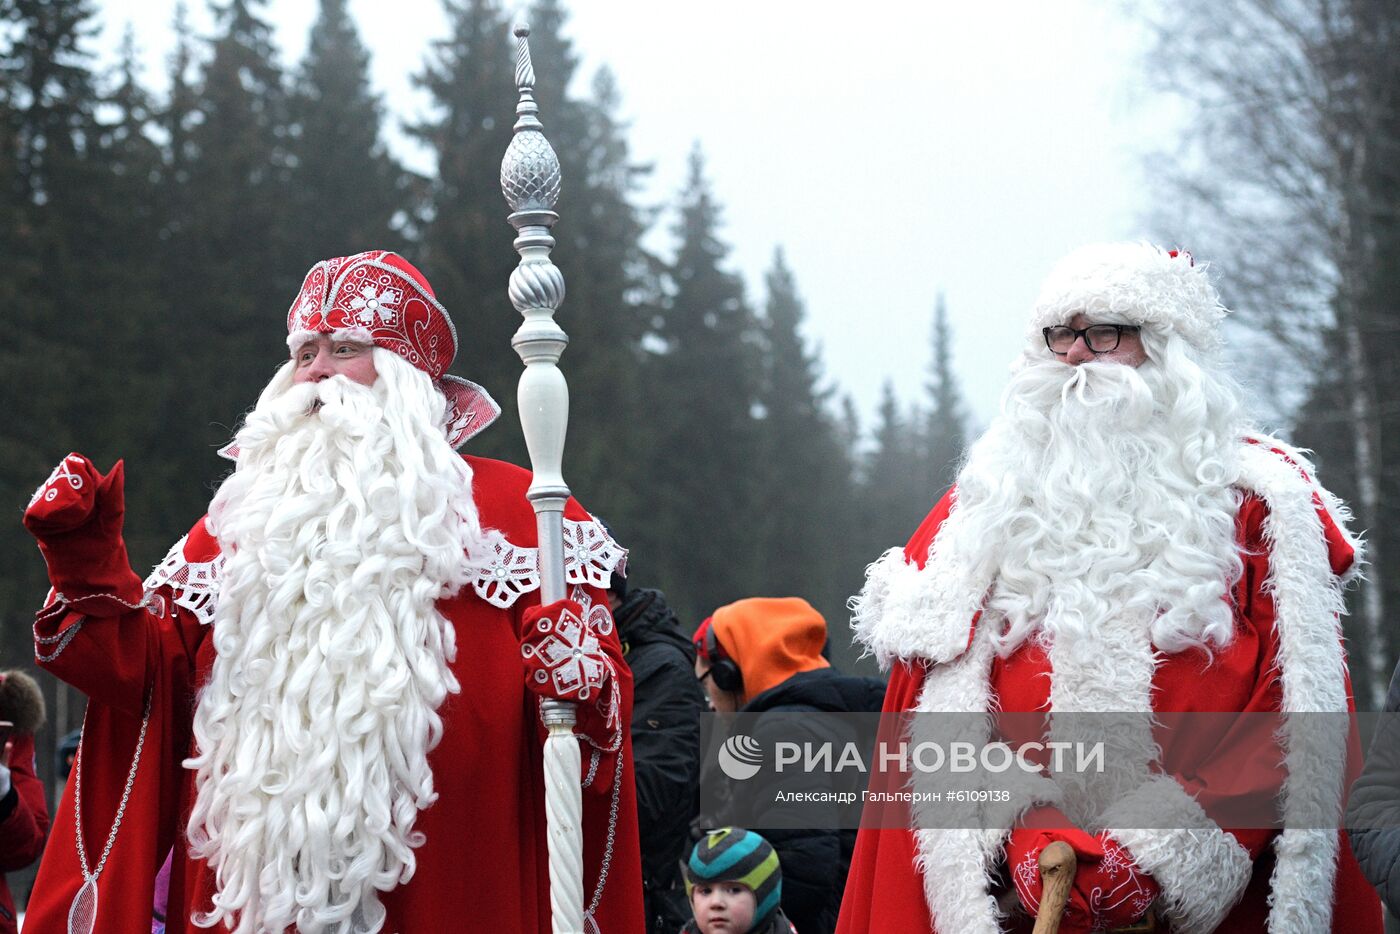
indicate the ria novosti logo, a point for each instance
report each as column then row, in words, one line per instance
column 740, row 757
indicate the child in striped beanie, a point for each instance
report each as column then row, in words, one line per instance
column 735, row 885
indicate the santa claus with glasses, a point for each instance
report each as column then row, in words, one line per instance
column 1121, row 540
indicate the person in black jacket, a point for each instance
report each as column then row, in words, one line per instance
column 764, row 655
column 1373, row 809
column 666, row 707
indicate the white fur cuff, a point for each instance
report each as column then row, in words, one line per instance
column 1201, row 869
column 906, row 612
column 1027, row 791
column 955, row 866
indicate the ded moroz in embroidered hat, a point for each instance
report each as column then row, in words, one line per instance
column 1132, row 283
column 379, row 297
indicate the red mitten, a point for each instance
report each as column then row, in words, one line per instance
column 565, row 660
column 1109, row 890
column 77, row 518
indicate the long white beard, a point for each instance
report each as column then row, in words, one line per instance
column 1105, row 493
column 341, row 530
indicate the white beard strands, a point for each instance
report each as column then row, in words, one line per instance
column 1106, row 493
column 341, row 530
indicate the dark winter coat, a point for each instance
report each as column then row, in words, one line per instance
column 1373, row 810
column 666, row 707
column 814, row 861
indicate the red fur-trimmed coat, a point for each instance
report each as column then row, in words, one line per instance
column 1286, row 655
column 484, row 865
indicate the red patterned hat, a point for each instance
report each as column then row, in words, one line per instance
column 380, row 298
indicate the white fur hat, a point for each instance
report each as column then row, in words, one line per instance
column 1133, row 283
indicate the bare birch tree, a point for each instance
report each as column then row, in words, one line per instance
column 1286, row 176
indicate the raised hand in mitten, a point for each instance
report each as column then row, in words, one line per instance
column 77, row 518
column 1109, row 890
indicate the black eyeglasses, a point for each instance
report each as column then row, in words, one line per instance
column 1099, row 338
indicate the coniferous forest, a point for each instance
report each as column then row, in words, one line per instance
column 152, row 245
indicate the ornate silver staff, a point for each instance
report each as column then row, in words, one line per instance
column 530, row 180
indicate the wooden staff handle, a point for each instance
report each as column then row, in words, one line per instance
column 1057, row 865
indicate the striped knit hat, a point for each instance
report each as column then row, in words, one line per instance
column 732, row 854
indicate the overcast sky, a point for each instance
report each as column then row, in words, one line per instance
column 895, row 151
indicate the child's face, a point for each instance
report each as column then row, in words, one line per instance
column 723, row 907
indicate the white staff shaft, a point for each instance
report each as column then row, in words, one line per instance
column 530, row 180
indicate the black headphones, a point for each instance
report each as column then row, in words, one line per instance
column 726, row 674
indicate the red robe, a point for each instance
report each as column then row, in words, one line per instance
column 484, row 865
column 887, row 891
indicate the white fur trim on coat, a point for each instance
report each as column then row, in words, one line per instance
column 955, row 865
column 907, row 612
column 1334, row 507
column 1308, row 605
column 1201, row 869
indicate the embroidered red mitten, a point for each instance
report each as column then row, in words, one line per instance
column 566, row 658
column 563, row 657
column 1109, row 890
column 77, row 518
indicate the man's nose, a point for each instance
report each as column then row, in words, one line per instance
column 320, row 368
column 1079, row 351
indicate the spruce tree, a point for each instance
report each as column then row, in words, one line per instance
column 598, row 249
column 12, row 184
column 53, row 99
column 56, row 93
column 123, row 240
column 612, row 294
column 50, row 184
column 177, row 119
column 848, row 430
column 805, row 478
column 703, row 436
column 128, row 150
column 945, row 432
column 125, row 264
column 191, row 413
column 51, row 191
column 344, row 182
column 466, row 251
column 893, row 497
column 237, row 276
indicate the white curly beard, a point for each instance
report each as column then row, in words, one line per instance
column 347, row 518
column 1102, row 492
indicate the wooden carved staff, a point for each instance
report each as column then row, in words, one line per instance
column 1057, row 866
